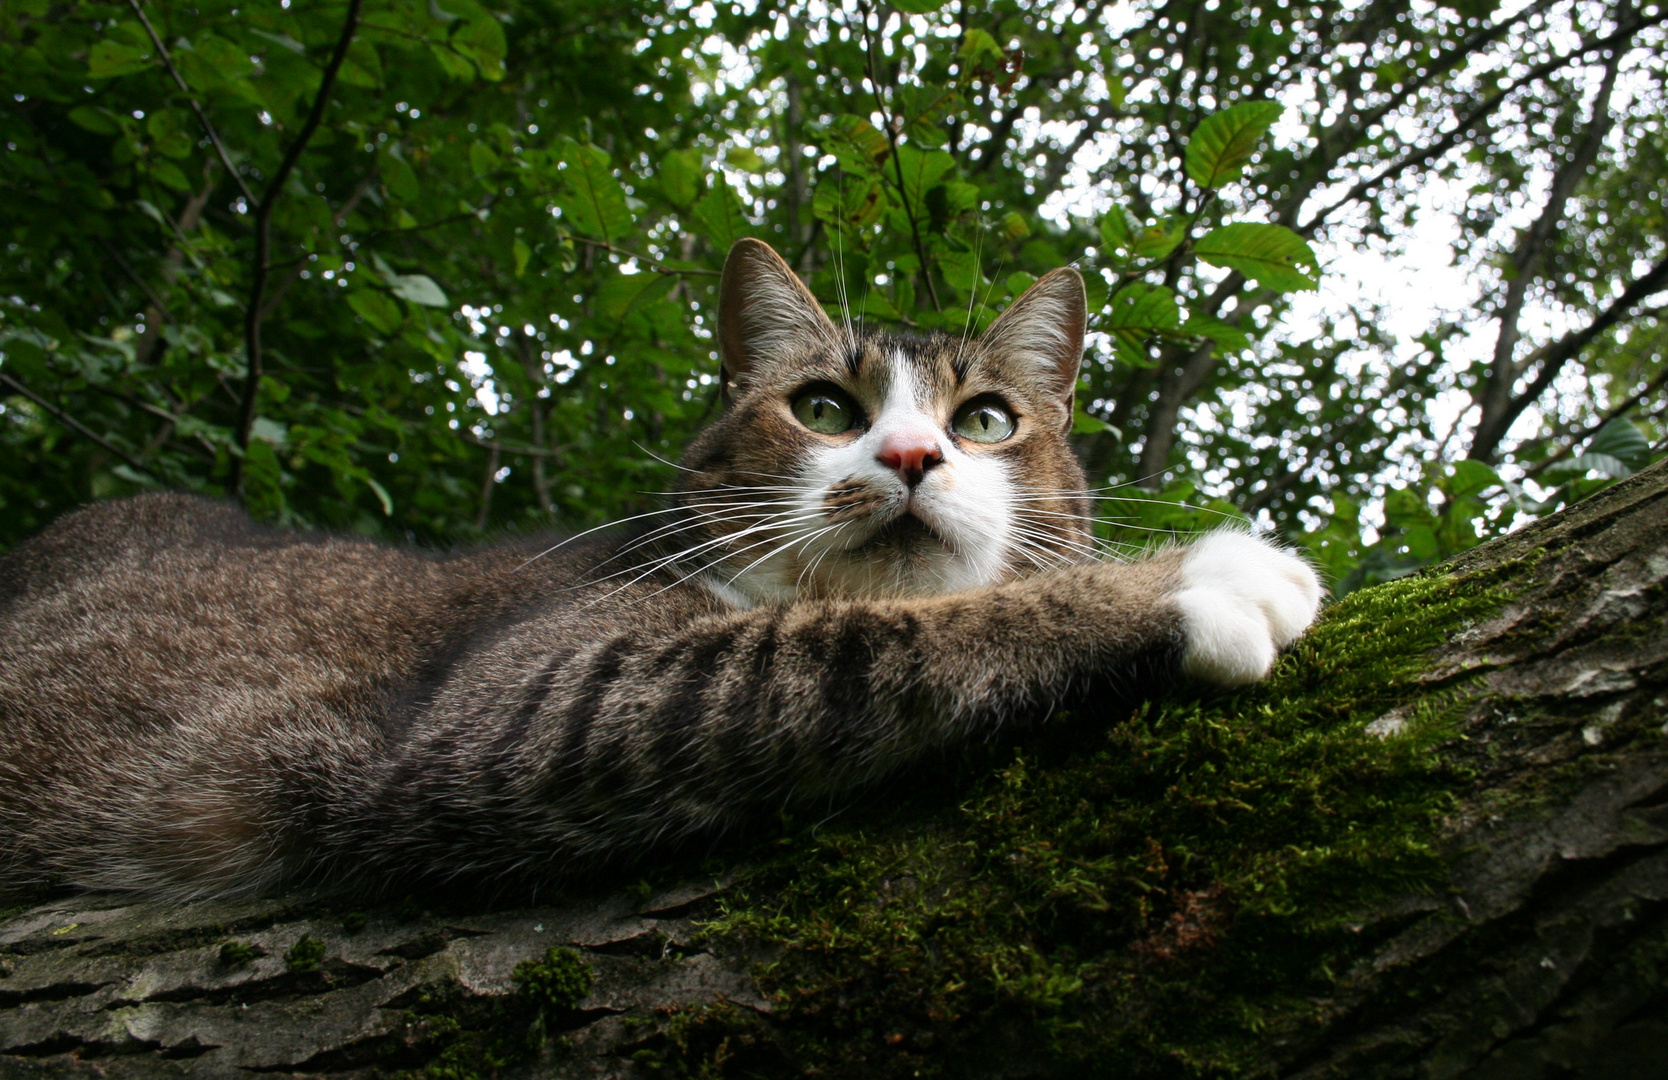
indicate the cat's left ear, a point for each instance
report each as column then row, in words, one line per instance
column 1040, row 337
column 765, row 314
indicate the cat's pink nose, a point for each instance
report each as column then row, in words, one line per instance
column 910, row 456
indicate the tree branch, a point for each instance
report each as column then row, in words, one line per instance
column 1554, row 356
column 254, row 313
column 77, row 426
column 925, row 271
column 1592, row 429
column 196, row 106
column 1495, row 400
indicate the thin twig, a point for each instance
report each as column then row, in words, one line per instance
column 648, row 262
column 77, row 426
column 520, row 449
column 196, row 106
column 897, row 162
column 254, row 313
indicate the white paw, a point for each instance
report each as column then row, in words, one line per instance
column 1242, row 600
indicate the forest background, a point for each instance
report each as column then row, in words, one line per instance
column 433, row 269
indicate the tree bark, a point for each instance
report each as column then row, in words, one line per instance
column 1542, row 950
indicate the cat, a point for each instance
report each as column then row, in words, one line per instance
column 879, row 551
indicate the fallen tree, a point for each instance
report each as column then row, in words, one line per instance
column 1434, row 844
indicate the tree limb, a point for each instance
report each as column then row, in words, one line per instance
column 196, row 106
column 254, row 314
column 1554, row 356
column 77, row 426
column 1592, row 429
column 1495, row 399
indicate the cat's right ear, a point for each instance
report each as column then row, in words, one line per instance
column 765, row 314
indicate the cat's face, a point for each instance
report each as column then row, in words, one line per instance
column 867, row 465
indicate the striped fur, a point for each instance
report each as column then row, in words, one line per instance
column 192, row 704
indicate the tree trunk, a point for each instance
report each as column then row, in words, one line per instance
column 1393, row 860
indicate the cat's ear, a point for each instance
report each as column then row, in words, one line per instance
column 1040, row 336
column 765, row 313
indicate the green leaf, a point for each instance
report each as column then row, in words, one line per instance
column 375, row 308
column 362, row 67
column 921, row 169
column 482, row 41
column 483, row 160
column 382, row 496
column 1084, row 423
column 1114, row 231
column 1134, row 316
column 109, row 59
column 1622, row 440
column 1469, row 477
column 745, row 158
column 522, row 253
column 865, row 146
column 1226, row 337
column 171, row 140
column 719, row 215
column 1157, row 241
column 418, row 289
column 680, row 176
column 269, row 430
column 283, row 40
column 453, row 63
column 595, row 204
column 1603, row 464
column 1271, row 255
column 979, row 48
column 1222, row 144
column 961, row 270
column 918, row 7
column 849, row 204
column 623, row 292
column 399, row 177
column 168, row 173
column 96, row 120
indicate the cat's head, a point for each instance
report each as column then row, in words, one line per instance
column 853, row 463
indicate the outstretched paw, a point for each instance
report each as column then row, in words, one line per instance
column 1242, row 600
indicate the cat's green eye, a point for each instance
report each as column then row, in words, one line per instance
column 826, row 412
column 983, row 421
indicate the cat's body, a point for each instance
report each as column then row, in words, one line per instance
column 192, row 704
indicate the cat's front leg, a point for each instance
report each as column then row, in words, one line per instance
column 1242, row 600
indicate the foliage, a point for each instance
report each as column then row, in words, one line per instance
column 488, row 295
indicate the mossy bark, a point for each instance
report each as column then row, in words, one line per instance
column 1435, row 844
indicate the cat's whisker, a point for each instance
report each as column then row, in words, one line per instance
column 766, row 522
column 703, row 472
column 711, row 517
column 654, row 565
column 565, row 541
column 731, row 554
column 610, row 525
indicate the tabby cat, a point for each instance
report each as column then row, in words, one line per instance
column 879, row 551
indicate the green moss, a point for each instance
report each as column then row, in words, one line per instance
column 557, row 982
column 462, row 1037
column 1156, row 896
column 238, row 953
column 354, row 922
column 305, row 955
